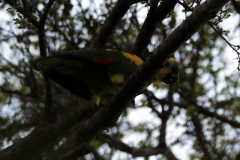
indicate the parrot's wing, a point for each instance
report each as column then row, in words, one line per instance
column 71, row 83
column 96, row 75
column 85, row 78
column 116, row 61
column 67, row 72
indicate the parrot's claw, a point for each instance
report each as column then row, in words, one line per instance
column 95, row 101
column 96, row 108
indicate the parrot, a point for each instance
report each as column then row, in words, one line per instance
column 97, row 74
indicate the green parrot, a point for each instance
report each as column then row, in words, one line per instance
column 96, row 75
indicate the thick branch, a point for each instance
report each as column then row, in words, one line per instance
column 154, row 17
column 75, row 145
column 42, row 137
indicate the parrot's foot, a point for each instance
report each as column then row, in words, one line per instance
column 95, row 99
column 95, row 102
column 96, row 108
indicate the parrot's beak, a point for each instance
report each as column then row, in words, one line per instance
column 170, row 78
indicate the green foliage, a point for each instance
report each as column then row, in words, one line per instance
column 20, row 21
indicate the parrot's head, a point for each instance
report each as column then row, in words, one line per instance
column 172, row 76
column 168, row 74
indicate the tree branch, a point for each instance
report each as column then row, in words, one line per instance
column 205, row 111
column 15, row 92
column 44, row 136
column 41, row 30
column 135, row 152
column 200, row 136
column 154, row 17
column 219, row 31
column 42, row 41
column 25, row 13
column 76, row 143
column 113, row 19
column 42, row 47
column 150, row 96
